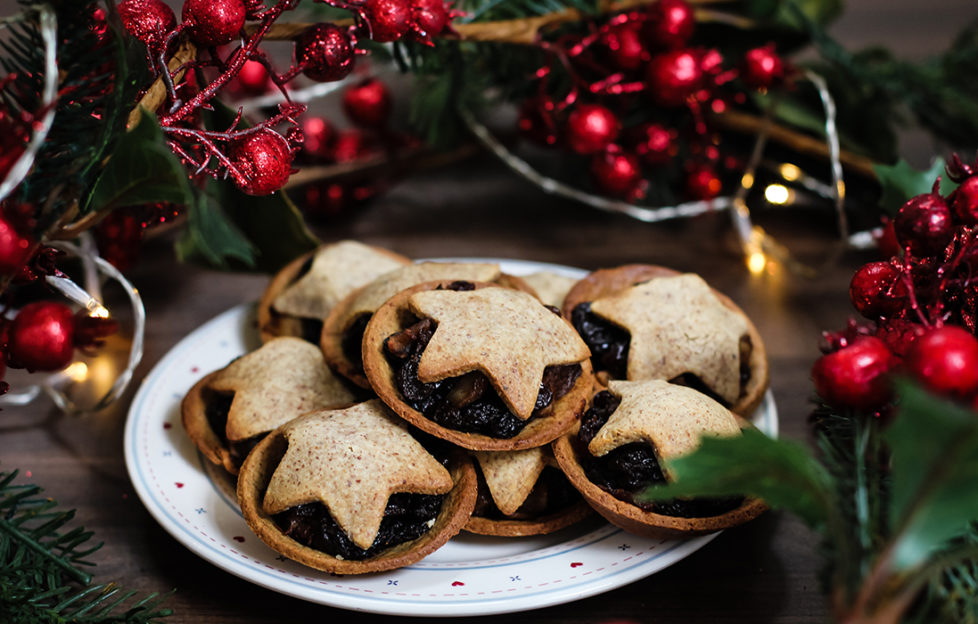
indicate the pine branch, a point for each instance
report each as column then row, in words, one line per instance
column 41, row 579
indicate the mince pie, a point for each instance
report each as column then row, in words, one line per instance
column 523, row 493
column 229, row 410
column 343, row 328
column 479, row 365
column 646, row 322
column 623, row 444
column 302, row 294
column 351, row 491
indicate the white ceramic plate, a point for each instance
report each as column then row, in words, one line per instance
column 471, row 575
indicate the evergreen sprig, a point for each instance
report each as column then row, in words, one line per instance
column 42, row 567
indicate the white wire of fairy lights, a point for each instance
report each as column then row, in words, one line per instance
column 756, row 244
column 49, row 35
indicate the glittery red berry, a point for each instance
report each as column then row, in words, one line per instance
column 623, row 47
column 349, row 146
column 213, row 22
column 15, row 249
column 856, row 376
column 670, row 24
column 325, row 52
column 263, row 160
column 429, row 17
column 899, row 334
column 147, row 20
column 389, row 19
column 877, row 290
column 674, row 76
column 368, row 103
column 946, row 361
column 41, row 337
column 924, row 224
column 591, row 128
column 654, row 143
column 965, row 201
column 617, row 173
column 252, row 79
column 762, row 67
column 319, row 134
column 702, row 182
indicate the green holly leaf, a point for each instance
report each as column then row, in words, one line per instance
column 210, row 237
column 782, row 473
column 901, row 181
column 141, row 170
column 934, row 446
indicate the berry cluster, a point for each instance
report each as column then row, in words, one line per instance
column 258, row 159
column 643, row 60
column 922, row 306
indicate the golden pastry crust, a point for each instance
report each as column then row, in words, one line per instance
column 367, row 299
column 605, row 283
column 634, row 519
column 391, row 318
column 538, row 526
column 273, row 322
column 257, row 473
column 193, row 414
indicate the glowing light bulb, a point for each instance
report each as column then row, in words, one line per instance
column 76, row 371
column 99, row 311
column 747, row 181
column 777, row 194
column 790, row 172
column 756, row 262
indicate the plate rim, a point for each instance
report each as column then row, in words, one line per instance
column 377, row 602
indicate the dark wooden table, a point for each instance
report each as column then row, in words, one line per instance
column 766, row 571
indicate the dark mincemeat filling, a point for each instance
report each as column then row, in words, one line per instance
column 609, row 351
column 467, row 403
column 631, row 468
column 217, row 405
column 551, row 494
column 407, row 517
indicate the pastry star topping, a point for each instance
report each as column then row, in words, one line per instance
column 352, row 460
column 671, row 418
column 511, row 475
column 283, row 379
column 507, row 334
column 678, row 325
column 374, row 294
column 336, row 271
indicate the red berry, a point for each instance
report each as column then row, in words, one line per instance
column 924, row 224
column 617, row 173
column 946, row 361
column 876, row 290
column 429, row 17
column 319, row 134
column 325, row 52
column 591, row 128
column 263, row 160
column 349, row 146
column 623, row 48
column 535, row 120
column 674, row 76
column 899, row 334
column 15, row 249
column 855, row 376
column 670, row 24
column 41, row 337
column 213, row 22
column 655, row 144
column 368, row 103
column 702, row 182
column 147, row 20
column 762, row 67
column 886, row 239
column 253, row 78
column 389, row 19
column 965, row 201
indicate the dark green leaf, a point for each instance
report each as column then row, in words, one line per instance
column 797, row 13
column 934, row 446
column 210, row 237
column 901, row 181
column 272, row 224
column 782, row 473
column 141, row 170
